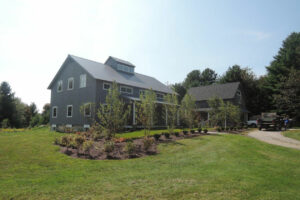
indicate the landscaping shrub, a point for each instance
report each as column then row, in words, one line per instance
column 167, row 135
column 199, row 130
column 227, row 129
column 130, row 148
column 57, row 141
column 222, row 128
column 148, row 141
column 205, row 130
column 219, row 129
column 192, row 131
column 109, row 146
column 185, row 132
column 66, row 140
column 87, row 145
column 156, row 136
column 5, row 123
column 176, row 134
column 79, row 140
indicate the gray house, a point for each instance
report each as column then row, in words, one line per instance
column 232, row 92
column 80, row 82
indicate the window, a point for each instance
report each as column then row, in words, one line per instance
column 125, row 68
column 70, row 83
column 60, row 86
column 126, row 90
column 159, row 96
column 54, row 111
column 69, row 111
column 82, row 80
column 87, row 110
column 106, row 86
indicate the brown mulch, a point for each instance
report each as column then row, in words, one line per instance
column 96, row 152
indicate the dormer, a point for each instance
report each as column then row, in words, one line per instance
column 120, row 65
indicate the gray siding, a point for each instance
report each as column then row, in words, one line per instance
column 76, row 97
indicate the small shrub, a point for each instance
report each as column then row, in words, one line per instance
column 148, row 142
column 199, row 130
column 227, row 129
column 156, row 136
column 176, row 134
column 185, row 132
column 109, row 146
column 192, row 131
column 5, row 123
column 87, row 145
column 222, row 128
column 205, row 130
column 219, row 129
column 130, row 148
column 57, row 141
column 79, row 140
column 167, row 135
column 66, row 140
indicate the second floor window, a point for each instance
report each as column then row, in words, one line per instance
column 54, row 111
column 142, row 92
column 70, row 83
column 69, row 111
column 106, row 86
column 126, row 90
column 60, row 86
column 82, row 80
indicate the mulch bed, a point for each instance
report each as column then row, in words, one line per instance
column 96, row 152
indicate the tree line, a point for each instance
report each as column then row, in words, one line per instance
column 17, row 114
column 276, row 91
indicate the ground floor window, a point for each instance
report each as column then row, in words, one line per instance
column 69, row 111
column 54, row 111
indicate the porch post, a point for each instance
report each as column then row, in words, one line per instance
column 178, row 118
column 133, row 114
column 166, row 116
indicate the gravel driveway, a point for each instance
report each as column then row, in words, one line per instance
column 274, row 137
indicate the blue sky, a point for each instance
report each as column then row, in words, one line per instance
column 164, row 39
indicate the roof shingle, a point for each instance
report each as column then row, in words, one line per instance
column 224, row 91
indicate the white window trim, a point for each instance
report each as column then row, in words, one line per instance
column 58, row 82
column 80, row 79
column 56, row 111
column 70, row 79
column 87, row 104
column 105, row 83
column 122, row 86
column 71, row 112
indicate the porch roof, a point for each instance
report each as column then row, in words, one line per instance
column 138, row 99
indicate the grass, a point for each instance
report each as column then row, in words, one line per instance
column 295, row 134
column 205, row 167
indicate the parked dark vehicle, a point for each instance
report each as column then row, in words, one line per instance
column 270, row 121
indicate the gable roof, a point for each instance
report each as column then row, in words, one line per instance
column 224, row 91
column 107, row 73
column 119, row 61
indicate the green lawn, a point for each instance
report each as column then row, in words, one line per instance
column 295, row 134
column 205, row 167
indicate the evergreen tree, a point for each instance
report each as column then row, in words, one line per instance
column 180, row 90
column 7, row 105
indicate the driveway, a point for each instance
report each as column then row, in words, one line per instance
column 275, row 137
